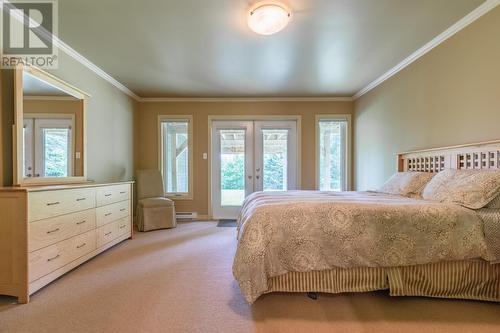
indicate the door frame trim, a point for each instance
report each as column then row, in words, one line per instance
column 212, row 118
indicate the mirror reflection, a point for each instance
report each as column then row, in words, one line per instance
column 53, row 131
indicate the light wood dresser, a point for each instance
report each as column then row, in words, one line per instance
column 47, row 231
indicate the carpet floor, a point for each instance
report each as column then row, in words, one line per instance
column 180, row 280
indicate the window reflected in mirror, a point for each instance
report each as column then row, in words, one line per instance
column 53, row 131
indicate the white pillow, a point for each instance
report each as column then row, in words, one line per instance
column 469, row 188
column 408, row 183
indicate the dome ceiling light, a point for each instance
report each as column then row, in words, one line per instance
column 267, row 18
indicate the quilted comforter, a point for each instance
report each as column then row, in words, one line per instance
column 280, row 232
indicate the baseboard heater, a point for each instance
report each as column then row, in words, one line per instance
column 186, row 215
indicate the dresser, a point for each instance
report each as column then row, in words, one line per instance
column 47, row 231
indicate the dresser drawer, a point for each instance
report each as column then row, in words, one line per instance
column 46, row 232
column 47, row 260
column 112, row 212
column 110, row 194
column 112, row 231
column 47, row 204
column 107, row 233
column 124, row 226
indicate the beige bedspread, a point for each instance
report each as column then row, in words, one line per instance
column 302, row 231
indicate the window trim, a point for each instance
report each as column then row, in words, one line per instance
column 189, row 119
column 348, row 147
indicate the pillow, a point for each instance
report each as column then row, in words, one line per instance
column 469, row 188
column 409, row 183
column 494, row 204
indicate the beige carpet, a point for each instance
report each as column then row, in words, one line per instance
column 180, row 281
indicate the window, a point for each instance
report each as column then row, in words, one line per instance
column 176, row 155
column 332, row 152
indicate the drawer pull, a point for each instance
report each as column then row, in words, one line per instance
column 52, row 231
column 123, row 209
column 123, row 226
column 53, row 203
column 81, row 199
column 108, row 214
column 80, row 223
column 80, row 246
column 108, row 233
column 123, row 192
column 107, row 195
column 54, row 258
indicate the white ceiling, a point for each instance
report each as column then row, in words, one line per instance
column 33, row 86
column 203, row 48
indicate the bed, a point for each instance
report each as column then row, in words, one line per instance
column 311, row 241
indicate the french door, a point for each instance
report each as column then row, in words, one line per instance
column 250, row 156
column 48, row 147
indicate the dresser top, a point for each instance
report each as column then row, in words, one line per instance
column 59, row 187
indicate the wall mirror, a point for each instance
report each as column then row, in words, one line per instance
column 49, row 129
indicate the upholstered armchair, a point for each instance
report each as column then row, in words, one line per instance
column 154, row 210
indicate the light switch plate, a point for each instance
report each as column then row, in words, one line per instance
column 205, row 156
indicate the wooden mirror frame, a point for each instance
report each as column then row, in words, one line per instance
column 17, row 131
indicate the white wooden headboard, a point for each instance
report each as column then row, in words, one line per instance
column 483, row 155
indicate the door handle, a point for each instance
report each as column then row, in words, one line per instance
column 257, row 177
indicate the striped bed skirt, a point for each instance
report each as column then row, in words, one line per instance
column 476, row 280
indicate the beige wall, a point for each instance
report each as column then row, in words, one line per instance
column 146, row 132
column 65, row 107
column 110, row 130
column 450, row 96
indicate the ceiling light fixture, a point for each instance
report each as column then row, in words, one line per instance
column 267, row 18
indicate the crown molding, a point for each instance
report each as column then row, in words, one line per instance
column 461, row 24
column 246, row 100
column 93, row 67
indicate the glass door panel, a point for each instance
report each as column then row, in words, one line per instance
column 275, row 155
column 57, row 152
column 275, row 165
column 232, row 170
column 232, row 165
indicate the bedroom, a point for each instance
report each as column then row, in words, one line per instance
column 340, row 97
